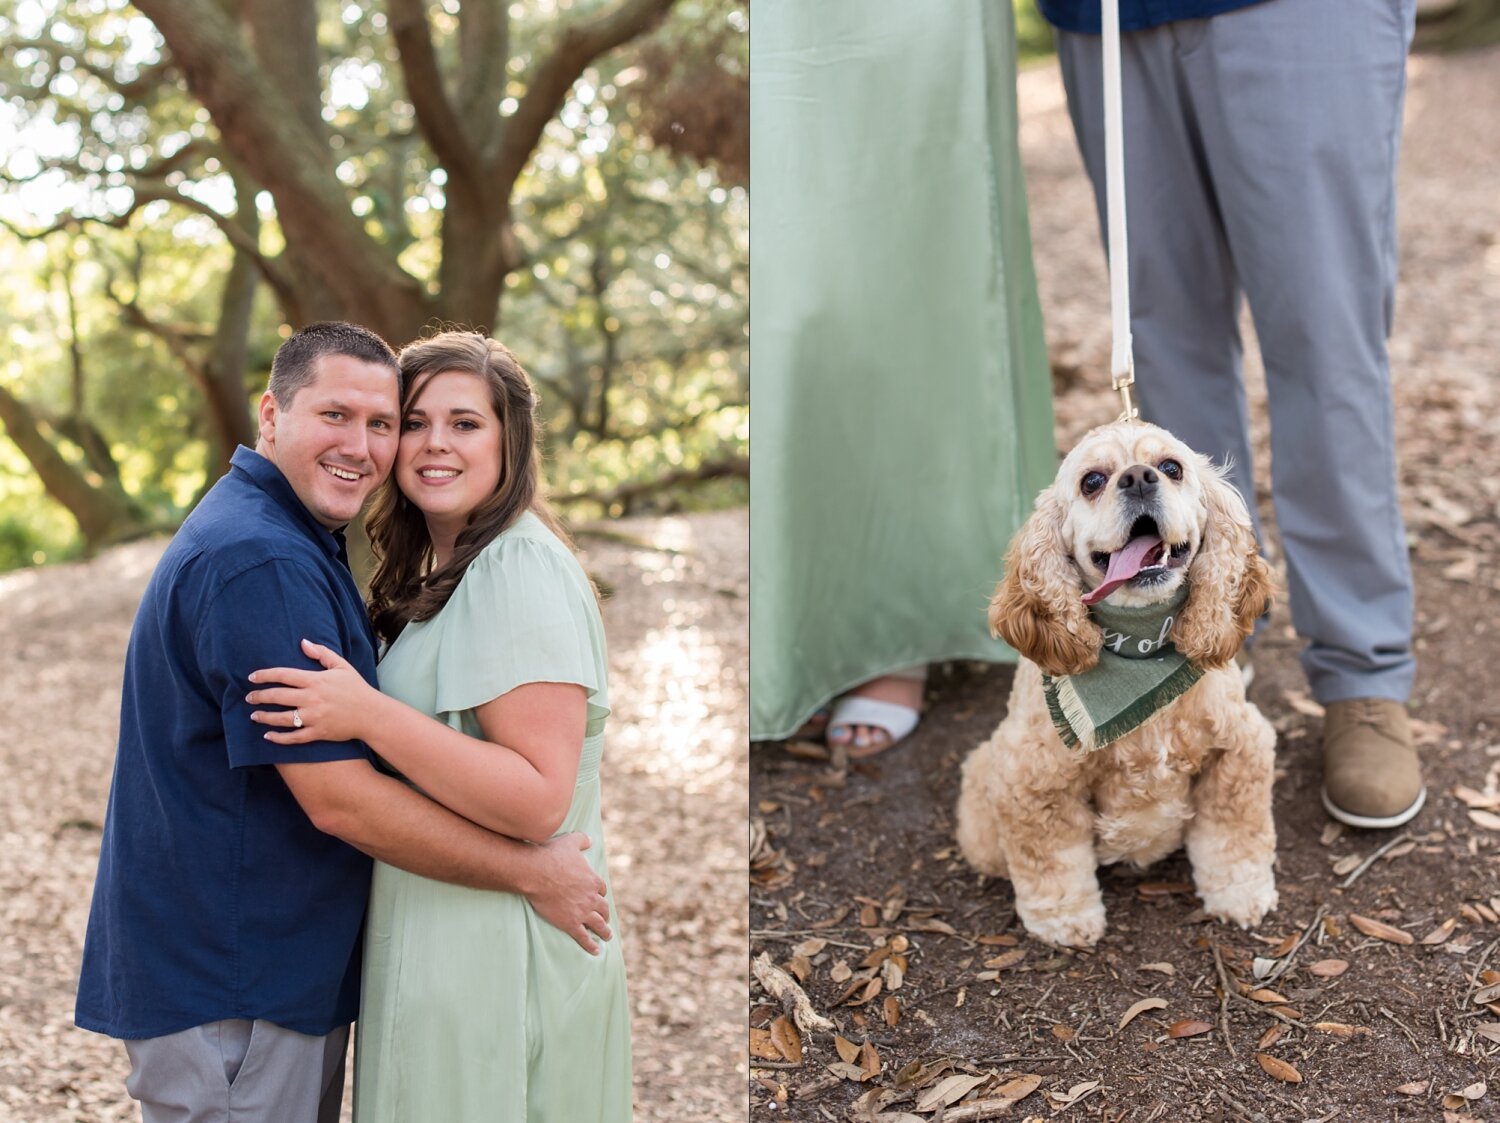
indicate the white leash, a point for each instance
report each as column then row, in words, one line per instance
column 1122, row 356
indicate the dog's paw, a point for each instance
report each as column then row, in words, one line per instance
column 1244, row 900
column 1074, row 928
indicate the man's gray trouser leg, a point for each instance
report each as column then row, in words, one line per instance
column 239, row 1071
column 1260, row 152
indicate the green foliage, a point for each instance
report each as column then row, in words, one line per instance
column 1034, row 39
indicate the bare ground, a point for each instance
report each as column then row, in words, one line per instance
column 675, row 803
column 858, row 889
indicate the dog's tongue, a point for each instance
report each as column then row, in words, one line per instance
column 1124, row 564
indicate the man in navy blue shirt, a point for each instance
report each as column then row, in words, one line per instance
column 223, row 942
column 1260, row 160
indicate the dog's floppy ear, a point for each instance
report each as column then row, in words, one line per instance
column 1038, row 607
column 1229, row 582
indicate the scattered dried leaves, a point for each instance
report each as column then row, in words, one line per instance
column 1141, row 1007
column 1278, row 1069
column 1188, row 1027
column 1328, row 968
column 1380, row 930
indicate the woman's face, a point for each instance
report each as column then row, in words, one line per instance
column 449, row 459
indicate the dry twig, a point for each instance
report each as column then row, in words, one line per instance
column 782, row 987
column 1224, row 990
column 1373, row 858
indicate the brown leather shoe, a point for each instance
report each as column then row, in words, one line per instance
column 1371, row 775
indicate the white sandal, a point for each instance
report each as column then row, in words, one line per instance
column 894, row 719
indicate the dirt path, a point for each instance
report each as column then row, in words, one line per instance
column 858, row 870
column 674, row 792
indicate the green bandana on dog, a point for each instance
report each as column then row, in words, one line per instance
column 1139, row 672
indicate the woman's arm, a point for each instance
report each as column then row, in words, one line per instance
column 518, row 781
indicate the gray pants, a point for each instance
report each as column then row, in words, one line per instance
column 238, row 1072
column 1260, row 153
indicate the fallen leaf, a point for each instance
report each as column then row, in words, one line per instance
column 1328, row 968
column 893, row 971
column 872, row 988
column 1486, row 819
column 845, row 1071
column 1486, row 912
column 930, row 924
column 1270, row 1037
column 869, row 1061
column 1441, row 932
column 1284, row 947
column 1141, row 1007
column 1162, row 968
column 891, row 1008
column 1016, row 1090
column 1399, row 851
column 800, row 966
column 1005, row 959
column 1471, row 798
column 1470, row 913
column 1073, row 1094
column 998, row 941
column 1415, row 1088
column 787, row 1039
column 841, row 972
column 1490, row 1031
column 948, row 1091
column 1331, row 832
column 847, row 1050
column 811, row 947
column 1487, row 994
column 762, row 1046
column 1064, row 1033
column 1347, row 864
column 1278, row 1069
column 1262, row 966
column 1188, row 1028
column 1380, row 930
column 1268, row 996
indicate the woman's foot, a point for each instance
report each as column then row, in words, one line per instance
column 878, row 714
column 815, row 728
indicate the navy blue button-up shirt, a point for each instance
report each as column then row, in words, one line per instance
column 217, row 897
column 1135, row 15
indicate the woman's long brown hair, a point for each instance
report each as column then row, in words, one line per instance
column 402, row 589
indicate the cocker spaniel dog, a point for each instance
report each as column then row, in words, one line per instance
column 1128, row 592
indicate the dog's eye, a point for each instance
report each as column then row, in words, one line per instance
column 1093, row 481
column 1171, row 469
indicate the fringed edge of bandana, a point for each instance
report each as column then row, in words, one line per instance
column 1069, row 714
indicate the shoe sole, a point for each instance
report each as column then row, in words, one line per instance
column 1369, row 823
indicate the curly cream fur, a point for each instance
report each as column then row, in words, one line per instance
column 1198, row 772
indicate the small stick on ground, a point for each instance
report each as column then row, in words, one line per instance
column 1478, row 967
column 1404, row 1029
column 1224, row 990
column 782, row 987
column 1286, row 960
column 1373, row 858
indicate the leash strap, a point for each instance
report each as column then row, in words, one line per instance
column 1122, row 356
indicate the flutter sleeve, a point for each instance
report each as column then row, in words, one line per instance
column 524, row 612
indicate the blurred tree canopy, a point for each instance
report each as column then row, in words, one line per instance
column 187, row 181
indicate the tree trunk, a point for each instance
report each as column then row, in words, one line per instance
column 103, row 511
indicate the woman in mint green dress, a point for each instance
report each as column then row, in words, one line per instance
column 902, row 412
column 493, row 699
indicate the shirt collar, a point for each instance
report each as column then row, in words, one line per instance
column 266, row 476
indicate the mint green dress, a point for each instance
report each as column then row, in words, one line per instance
column 474, row 1008
column 901, row 409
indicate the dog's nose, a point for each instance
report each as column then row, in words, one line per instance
column 1139, row 479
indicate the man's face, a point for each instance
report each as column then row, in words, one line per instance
column 336, row 439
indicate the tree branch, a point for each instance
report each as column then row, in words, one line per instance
column 554, row 76
column 424, row 85
column 484, row 52
column 628, row 492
